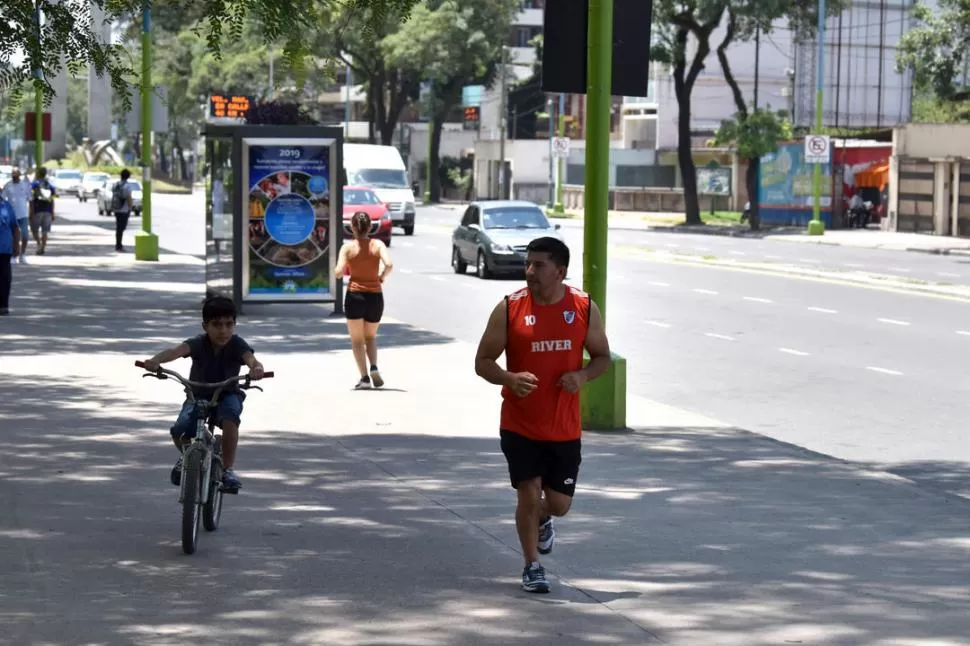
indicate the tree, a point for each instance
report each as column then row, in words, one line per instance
column 745, row 19
column 696, row 20
column 67, row 36
column 936, row 50
column 453, row 44
column 752, row 135
column 389, row 88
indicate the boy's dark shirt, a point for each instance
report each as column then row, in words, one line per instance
column 208, row 366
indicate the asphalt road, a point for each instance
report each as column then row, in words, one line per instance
column 859, row 374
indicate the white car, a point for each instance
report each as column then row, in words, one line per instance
column 66, row 181
column 104, row 196
column 91, row 184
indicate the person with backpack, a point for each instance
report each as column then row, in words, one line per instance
column 42, row 195
column 121, row 206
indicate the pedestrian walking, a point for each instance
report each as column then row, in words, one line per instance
column 369, row 263
column 542, row 329
column 17, row 193
column 121, row 206
column 9, row 243
column 42, row 195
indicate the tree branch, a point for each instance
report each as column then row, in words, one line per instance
column 732, row 82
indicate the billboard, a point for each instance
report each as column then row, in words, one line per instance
column 786, row 193
column 860, row 86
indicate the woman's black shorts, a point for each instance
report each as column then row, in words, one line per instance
column 364, row 305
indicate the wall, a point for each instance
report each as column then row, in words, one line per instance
column 785, row 187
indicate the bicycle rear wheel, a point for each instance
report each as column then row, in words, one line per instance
column 192, row 495
column 212, row 511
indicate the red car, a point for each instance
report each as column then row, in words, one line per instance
column 360, row 198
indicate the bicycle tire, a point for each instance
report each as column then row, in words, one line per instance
column 212, row 511
column 191, row 507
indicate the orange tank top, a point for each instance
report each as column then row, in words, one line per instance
column 548, row 341
column 365, row 267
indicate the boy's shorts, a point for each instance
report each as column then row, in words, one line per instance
column 230, row 408
column 41, row 221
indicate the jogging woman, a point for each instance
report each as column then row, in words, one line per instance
column 364, row 302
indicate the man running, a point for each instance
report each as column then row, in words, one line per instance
column 542, row 329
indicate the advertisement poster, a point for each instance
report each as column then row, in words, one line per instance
column 856, row 161
column 289, row 221
column 786, row 187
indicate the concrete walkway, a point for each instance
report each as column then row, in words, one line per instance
column 385, row 517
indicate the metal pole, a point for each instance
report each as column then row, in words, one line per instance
column 757, row 63
column 599, row 107
column 350, row 76
column 559, row 208
column 552, row 181
column 503, row 123
column 816, row 227
column 146, row 243
column 38, row 100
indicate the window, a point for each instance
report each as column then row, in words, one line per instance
column 381, row 178
column 360, row 196
column 471, row 216
column 515, row 217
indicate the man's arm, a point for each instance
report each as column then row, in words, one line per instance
column 597, row 345
column 491, row 347
column 386, row 259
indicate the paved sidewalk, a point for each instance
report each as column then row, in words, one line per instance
column 385, row 517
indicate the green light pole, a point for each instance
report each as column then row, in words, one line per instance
column 816, row 227
column 146, row 242
column 599, row 83
column 38, row 101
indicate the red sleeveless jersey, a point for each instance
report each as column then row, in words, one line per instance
column 548, row 341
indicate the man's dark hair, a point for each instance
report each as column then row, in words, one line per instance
column 218, row 307
column 41, row 172
column 556, row 248
column 125, row 174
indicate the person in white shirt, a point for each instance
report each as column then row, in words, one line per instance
column 17, row 192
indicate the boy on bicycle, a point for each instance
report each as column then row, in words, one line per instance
column 217, row 355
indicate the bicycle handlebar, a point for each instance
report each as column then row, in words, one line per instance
column 161, row 373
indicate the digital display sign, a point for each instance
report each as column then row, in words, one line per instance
column 472, row 116
column 228, row 107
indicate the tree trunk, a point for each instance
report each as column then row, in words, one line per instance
column 751, row 181
column 437, row 126
column 751, row 175
column 685, row 155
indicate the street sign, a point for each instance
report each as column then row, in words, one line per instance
column 817, row 149
column 560, row 147
column 30, row 126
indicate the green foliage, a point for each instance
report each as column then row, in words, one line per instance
column 936, row 49
column 754, row 134
column 931, row 109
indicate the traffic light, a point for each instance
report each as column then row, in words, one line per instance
column 565, row 25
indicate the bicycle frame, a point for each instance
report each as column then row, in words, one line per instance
column 204, row 439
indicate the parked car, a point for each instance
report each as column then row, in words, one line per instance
column 493, row 235
column 104, row 196
column 91, row 183
column 361, row 198
column 66, row 181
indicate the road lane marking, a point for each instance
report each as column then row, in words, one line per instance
column 823, row 310
column 797, row 353
column 437, row 278
column 900, row 269
column 723, row 337
column 893, row 322
column 706, row 291
column 406, row 271
column 739, row 253
column 657, row 283
column 812, row 260
column 963, row 332
column 672, row 245
column 755, row 299
column 432, row 247
column 658, row 324
column 405, row 244
column 703, row 248
column 884, row 371
column 947, row 274
column 773, row 257
column 854, row 265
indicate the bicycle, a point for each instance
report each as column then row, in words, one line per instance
column 200, row 490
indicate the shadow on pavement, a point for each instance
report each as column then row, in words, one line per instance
column 698, row 536
column 82, row 296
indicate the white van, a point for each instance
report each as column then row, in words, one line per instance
column 381, row 169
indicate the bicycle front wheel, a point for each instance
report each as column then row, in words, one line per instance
column 212, row 511
column 191, row 500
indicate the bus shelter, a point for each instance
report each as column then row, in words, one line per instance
column 274, row 205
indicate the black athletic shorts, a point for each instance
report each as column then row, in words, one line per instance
column 364, row 305
column 557, row 463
